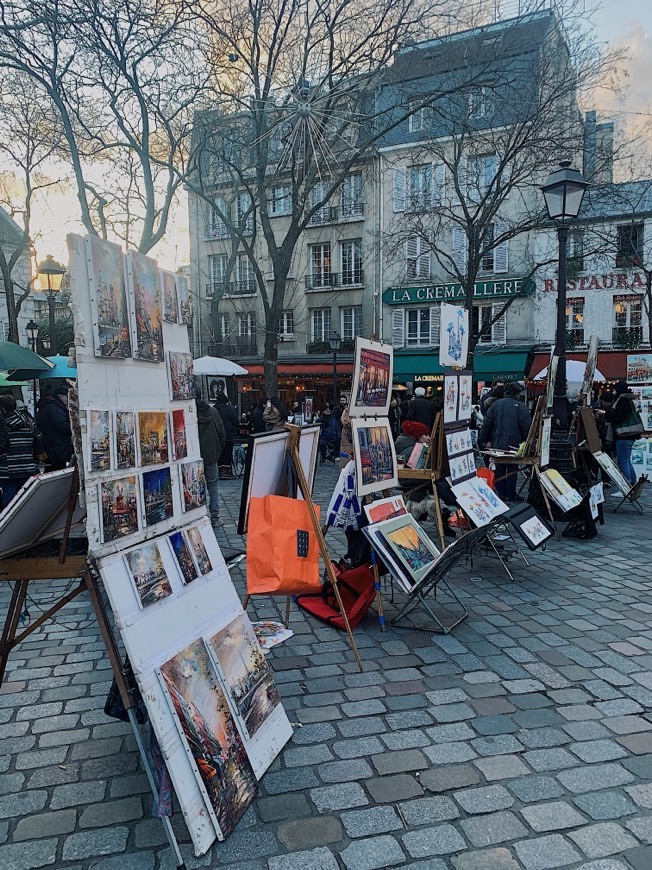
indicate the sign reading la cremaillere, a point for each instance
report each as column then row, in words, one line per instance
column 453, row 292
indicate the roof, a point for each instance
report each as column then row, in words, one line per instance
column 612, row 201
column 9, row 229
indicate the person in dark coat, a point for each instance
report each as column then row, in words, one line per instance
column 497, row 391
column 421, row 409
column 329, row 437
column 505, row 426
column 22, row 437
column 256, row 419
column 212, row 439
column 617, row 415
column 229, row 417
column 394, row 418
column 53, row 420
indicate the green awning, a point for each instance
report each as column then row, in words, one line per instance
column 488, row 364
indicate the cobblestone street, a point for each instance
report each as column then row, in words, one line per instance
column 521, row 740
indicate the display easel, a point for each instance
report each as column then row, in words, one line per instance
column 23, row 570
column 634, row 495
column 433, row 471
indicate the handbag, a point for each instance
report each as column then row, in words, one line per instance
column 632, row 426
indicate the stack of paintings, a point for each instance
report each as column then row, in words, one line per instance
column 478, row 501
column 146, row 293
column 405, row 548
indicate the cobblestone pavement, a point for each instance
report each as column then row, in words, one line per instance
column 522, row 740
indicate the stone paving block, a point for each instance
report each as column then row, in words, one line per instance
column 496, row 859
column 318, row 733
column 372, row 854
column 501, row 767
column 11, row 782
column 356, row 748
column 440, row 840
column 638, row 744
column 366, row 726
column 627, row 724
column 111, row 813
column 593, row 751
column 29, row 856
column 450, row 733
column 338, row 797
column 318, row 714
column 134, row 861
column 500, row 744
column 554, row 816
column 450, row 776
column 446, row 696
column 345, row 771
column 484, row 800
column 599, row 841
column 313, row 859
column 641, row 827
column 424, row 811
column 493, row 828
column 639, row 858
column 396, row 762
column 408, row 739
column 549, row 759
column 306, row 755
column 287, row 806
column 590, row 730
column 91, row 844
column 449, row 753
column 14, row 805
column 535, row 788
column 543, row 738
column 604, row 805
column 290, row 780
column 363, row 708
column 523, row 687
column 388, row 789
column 594, row 778
column 44, row 825
column 375, row 820
column 245, row 846
column 307, row 833
column 641, row 794
column 452, row 712
column 546, row 853
column 639, row 765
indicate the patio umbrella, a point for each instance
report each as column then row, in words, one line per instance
column 60, row 369
column 574, row 372
column 216, row 365
column 13, row 357
column 5, row 381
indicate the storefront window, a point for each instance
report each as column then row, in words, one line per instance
column 418, row 326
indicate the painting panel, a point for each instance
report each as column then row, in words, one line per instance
column 148, row 573
column 465, row 406
column 99, row 437
column 125, row 439
column 385, row 509
column 451, row 389
column 609, row 466
column 546, row 432
column 410, row 545
column 119, row 502
column 461, row 467
column 589, row 368
column 486, row 492
column 372, row 379
column 246, row 673
column 375, row 457
column 183, row 295
column 153, row 437
column 535, row 530
column 198, row 550
column 458, row 441
column 193, row 485
column 183, row 556
column 639, row 368
column 179, row 438
column 479, row 510
column 146, row 287
column 108, row 298
column 453, row 335
column 205, row 721
column 157, row 495
column 169, row 296
column 181, row 376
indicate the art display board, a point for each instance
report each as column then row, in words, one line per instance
column 559, row 490
column 643, row 403
column 177, row 591
column 529, row 524
column 478, row 501
column 544, row 447
column 607, row 464
column 460, row 452
column 589, row 369
column 375, row 457
column 642, row 457
column 458, row 398
column 373, row 371
column 589, row 431
column 405, row 549
column 453, row 335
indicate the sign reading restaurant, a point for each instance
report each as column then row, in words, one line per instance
column 454, row 292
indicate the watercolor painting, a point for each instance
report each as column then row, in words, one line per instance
column 183, row 556
column 372, row 378
column 99, row 436
column 153, row 437
column 465, row 408
column 210, row 733
column 181, row 376
column 119, row 502
column 193, row 484
column 453, row 335
column 157, row 495
column 535, row 530
column 198, row 550
column 185, row 304
column 451, row 383
column 148, row 573
column 125, row 439
column 170, row 301
column 147, row 302
column 246, row 672
column 108, row 299
column 179, row 440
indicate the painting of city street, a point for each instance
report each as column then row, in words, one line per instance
column 99, row 432
column 372, row 378
column 410, row 545
column 198, row 548
column 181, row 376
column 374, row 456
column 185, row 305
column 148, row 573
column 147, row 303
column 179, row 441
column 246, row 672
column 170, row 301
column 183, row 556
column 119, row 507
column 157, row 495
column 108, row 299
column 125, row 439
column 153, row 437
column 205, row 721
column 193, row 484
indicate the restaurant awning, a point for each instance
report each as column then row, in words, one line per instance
column 612, row 363
column 489, row 363
column 301, row 369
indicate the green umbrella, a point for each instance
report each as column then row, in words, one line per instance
column 6, row 382
column 13, row 356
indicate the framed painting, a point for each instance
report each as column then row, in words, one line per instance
column 372, row 378
column 108, row 298
column 546, row 432
column 409, row 546
column 179, row 439
column 146, row 291
column 185, row 304
column 375, row 457
column 193, row 485
column 385, row 509
column 181, row 376
column 147, row 571
column 169, row 297
column 451, row 391
column 461, row 467
column 198, row 550
column 119, row 507
column 465, row 387
column 157, row 495
column 99, row 441
column 453, row 335
column 183, row 556
column 153, row 440
column 124, row 439
column 458, row 441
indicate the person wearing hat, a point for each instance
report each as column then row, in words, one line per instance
column 53, row 420
column 627, row 428
column 421, row 410
column 506, row 424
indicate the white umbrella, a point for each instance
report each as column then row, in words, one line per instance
column 216, row 365
column 574, row 372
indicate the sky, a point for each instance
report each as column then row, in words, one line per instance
column 621, row 23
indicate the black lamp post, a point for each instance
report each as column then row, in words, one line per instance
column 335, row 341
column 32, row 334
column 53, row 273
column 563, row 193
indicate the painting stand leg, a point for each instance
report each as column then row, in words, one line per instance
column 440, row 519
column 419, row 598
column 633, row 496
column 547, row 502
column 379, row 595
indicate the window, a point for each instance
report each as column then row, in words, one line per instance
column 286, row 326
column 418, row 326
column 351, row 252
column 247, row 332
column 417, row 256
column 487, row 263
column 281, row 202
column 225, row 326
column 217, row 265
column 421, row 187
column 245, row 213
column 630, row 245
column 351, row 322
column 352, row 195
column 245, row 282
column 628, row 319
column 495, row 257
column 320, row 324
column 480, row 173
column 320, row 266
column 482, row 316
column 575, row 321
column 324, row 213
column 420, row 116
column 575, row 252
column 215, row 227
column 481, row 102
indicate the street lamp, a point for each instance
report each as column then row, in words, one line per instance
column 32, row 334
column 335, row 341
column 563, row 193
column 53, row 272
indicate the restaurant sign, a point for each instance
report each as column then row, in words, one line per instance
column 454, row 292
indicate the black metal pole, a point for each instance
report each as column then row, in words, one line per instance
column 334, row 380
column 560, row 401
column 53, row 337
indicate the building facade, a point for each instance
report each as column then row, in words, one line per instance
column 10, row 238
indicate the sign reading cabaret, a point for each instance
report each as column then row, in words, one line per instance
column 448, row 292
column 611, row 281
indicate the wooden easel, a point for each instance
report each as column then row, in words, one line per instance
column 434, row 470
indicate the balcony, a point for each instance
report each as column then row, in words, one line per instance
column 328, row 280
column 324, row 347
column 352, row 211
column 325, row 215
column 215, row 232
column 245, row 287
column 629, row 337
column 236, row 346
column 574, row 338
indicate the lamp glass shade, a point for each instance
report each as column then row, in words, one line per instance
column 50, row 274
column 32, row 330
column 45, row 341
column 563, row 192
column 335, row 341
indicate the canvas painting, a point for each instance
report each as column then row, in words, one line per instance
column 210, row 732
column 183, row 295
column 108, row 299
column 639, row 368
column 589, row 369
column 99, row 431
column 169, row 294
column 193, row 484
column 561, row 492
column 465, row 407
column 183, row 556
column 458, row 441
column 385, row 509
column 375, row 457
column 157, row 495
column 148, row 573
column 125, row 439
column 461, row 467
column 552, row 377
column 410, row 545
column 119, row 507
column 246, row 672
column 147, row 307
column 372, row 379
column 453, row 335
column 181, row 376
column 198, row 550
column 535, row 530
column 609, row 466
column 153, row 437
column 451, row 383
column 179, row 440
column 546, row 431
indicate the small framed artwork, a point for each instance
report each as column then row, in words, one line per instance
column 458, row 441
column 146, row 289
column 375, row 457
column 453, row 335
column 409, row 546
column 193, row 485
column 465, row 408
column 385, row 509
column 183, row 557
column 461, row 467
column 183, row 295
column 157, row 495
column 372, row 379
column 546, row 430
column 153, row 437
column 124, row 438
column 99, row 432
column 451, row 391
column 198, row 550
column 179, row 439
column 108, row 295
column 119, row 507
column 181, row 376
column 169, row 294
column 148, row 574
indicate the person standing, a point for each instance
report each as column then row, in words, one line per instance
column 229, row 417
column 421, row 409
column 274, row 414
column 497, row 391
column 627, row 427
column 256, row 418
column 212, row 439
column 53, row 420
column 394, row 418
column 23, row 437
column 505, row 426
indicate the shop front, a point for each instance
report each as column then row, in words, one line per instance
column 610, row 363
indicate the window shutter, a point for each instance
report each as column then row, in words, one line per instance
column 462, row 172
column 399, row 188
column 440, row 184
column 459, row 249
column 423, row 259
column 501, row 251
column 499, row 329
column 435, row 317
column 411, row 256
column 489, row 169
column 398, row 327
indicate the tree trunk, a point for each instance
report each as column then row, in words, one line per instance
column 270, row 362
column 12, row 314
